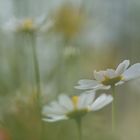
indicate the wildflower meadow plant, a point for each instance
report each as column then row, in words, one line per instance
column 110, row 78
column 74, row 107
column 29, row 28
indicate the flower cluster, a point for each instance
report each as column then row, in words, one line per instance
column 77, row 106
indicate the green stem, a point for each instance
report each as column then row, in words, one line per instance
column 113, row 109
column 79, row 126
column 36, row 66
column 38, row 81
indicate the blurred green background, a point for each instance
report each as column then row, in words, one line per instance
column 86, row 35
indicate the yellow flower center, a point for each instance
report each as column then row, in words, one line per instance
column 68, row 21
column 111, row 81
column 76, row 113
column 28, row 24
column 75, row 100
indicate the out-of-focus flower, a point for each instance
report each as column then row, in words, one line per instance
column 25, row 25
column 68, row 21
column 74, row 107
column 70, row 51
column 4, row 135
column 110, row 77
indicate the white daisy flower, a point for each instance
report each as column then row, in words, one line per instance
column 110, row 77
column 25, row 25
column 74, row 107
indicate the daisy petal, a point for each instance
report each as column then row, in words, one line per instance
column 40, row 20
column 86, row 84
column 119, row 83
column 99, row 76
column 85, row 100
column 122, row 67
column 85, row 81
column 11, row 25
column 66, row 102
column 100, row 86
column 101, row 101
column 55, row 118
column 53, row 110
column 132, row 72
column 110, row 73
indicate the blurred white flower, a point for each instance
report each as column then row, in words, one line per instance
column 70, row 51
column 74, row 107
column 26, row 25
column 69, row 21
column 110, row 77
